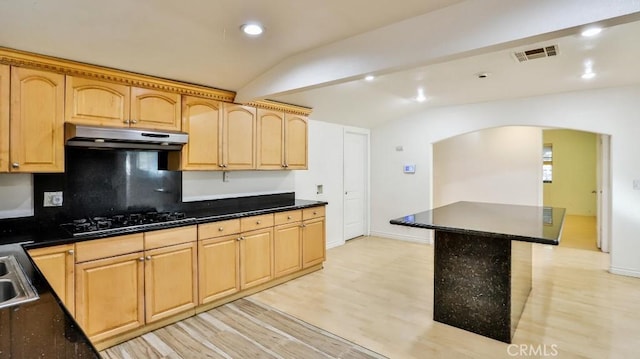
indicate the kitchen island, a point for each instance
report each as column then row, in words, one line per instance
column 482, row 261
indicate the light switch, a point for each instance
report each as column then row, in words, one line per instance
column 319, row 189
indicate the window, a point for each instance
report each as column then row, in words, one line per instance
column 547, row 163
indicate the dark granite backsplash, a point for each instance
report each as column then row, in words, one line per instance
column 107, row 182
column 104, row 182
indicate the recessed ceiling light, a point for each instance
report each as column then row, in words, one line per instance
column 369, row 77
column 588, row 75
column 420, row 97
column 252, row 29
column 591, row 31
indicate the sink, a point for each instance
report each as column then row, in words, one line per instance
column 15, row 288
column 7, row 290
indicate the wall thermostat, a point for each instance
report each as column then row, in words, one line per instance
column 409, row 168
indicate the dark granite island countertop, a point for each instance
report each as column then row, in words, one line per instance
column 515, row 222
column 482, row 261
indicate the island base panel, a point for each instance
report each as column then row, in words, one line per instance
column 473, row 286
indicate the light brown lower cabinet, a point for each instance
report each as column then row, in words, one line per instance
column 125, row 282
column 256, row 257
column 313, row 242
column 219, row 265
column 287, row 251
column 232, row 263
column 110, row 295
column 170, row 280
column 57, row 265
column 123, row 292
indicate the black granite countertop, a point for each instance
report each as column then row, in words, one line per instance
column 43, row 328
column 37, row 236
column 515, row 222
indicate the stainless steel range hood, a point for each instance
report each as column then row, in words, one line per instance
column 123, row 138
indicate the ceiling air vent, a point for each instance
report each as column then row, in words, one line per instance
column 539, row 53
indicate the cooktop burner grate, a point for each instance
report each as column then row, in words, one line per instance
column 122, row 223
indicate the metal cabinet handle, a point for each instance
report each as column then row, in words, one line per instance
column 314, row 213
column 134, row 121
column 258, row 222
column 220, row 229
column 288, row 217
column 148, row 258
column 141, row 259
column 15, row 165
column 303, row 225
column 70, row 251
column 126, row 121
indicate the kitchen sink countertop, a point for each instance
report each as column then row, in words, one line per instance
column 42, row 328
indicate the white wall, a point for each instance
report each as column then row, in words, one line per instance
column 206, row 185
column 500, row 165
column 16, row 195
column 613, row 111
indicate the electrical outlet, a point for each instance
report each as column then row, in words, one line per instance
column 52, row 199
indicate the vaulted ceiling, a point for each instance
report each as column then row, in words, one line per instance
column 316, row 53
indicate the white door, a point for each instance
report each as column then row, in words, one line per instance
column 603, row 193
column 356, row 160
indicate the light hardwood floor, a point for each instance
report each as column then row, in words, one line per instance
column 579, row 232
column 379, row 293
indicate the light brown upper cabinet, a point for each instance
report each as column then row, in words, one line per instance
column 281, row 141
column 94, row 102
column 296, row 146
column 202, row 120
column 238, row 137
column 4, row 118
column 36, row 122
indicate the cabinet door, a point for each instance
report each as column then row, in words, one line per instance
column 37, row 121
column 270, row 140
column 296, row 142
column 256, row 254
column 287, row 249
column 94, row 102
column 238, row 142
column 4, row 118
column 219, row 264
column 170, row 281
column 110, row 295
column 57, row 265
column 202, row 120
column 313, row 242
column 155, row 109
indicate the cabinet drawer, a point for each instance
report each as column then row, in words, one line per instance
column 256, row 222
column 171, row 236
column 287, row 217
column 108, row 247
column 314, row 212
column 218, row 229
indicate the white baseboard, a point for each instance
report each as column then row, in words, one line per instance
column 402, row 237
column 625, row 272
column 334, row 244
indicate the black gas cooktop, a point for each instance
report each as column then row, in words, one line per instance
column 125, row 223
